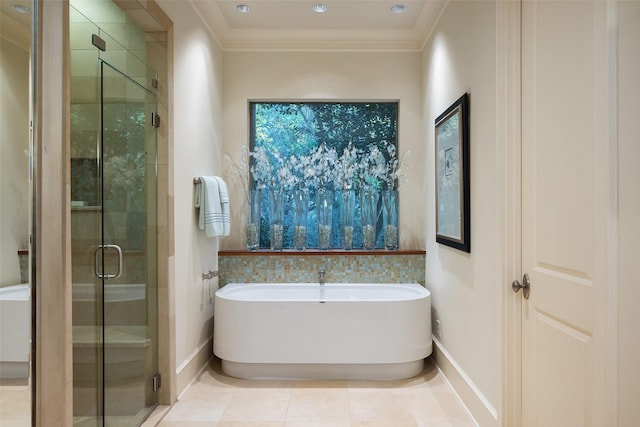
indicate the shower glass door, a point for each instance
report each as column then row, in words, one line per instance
column 128, row 248
column 113, row 220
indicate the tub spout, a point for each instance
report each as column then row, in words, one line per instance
column 321, row 274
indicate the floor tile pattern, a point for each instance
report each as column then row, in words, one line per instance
column 216, row 400
column 15, row 403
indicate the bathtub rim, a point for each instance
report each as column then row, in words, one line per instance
column 126, row 292
column 24, row 288
column 233, row 291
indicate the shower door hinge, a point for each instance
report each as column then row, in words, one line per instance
column 156, row 382
column 154, row 83
column 155, row 120
column 98, row 42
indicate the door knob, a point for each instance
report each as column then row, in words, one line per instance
column 525, row 286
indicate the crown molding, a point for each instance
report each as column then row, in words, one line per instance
column 16, row 33
column 431, row 14
column 212, row 18
column 322, row 40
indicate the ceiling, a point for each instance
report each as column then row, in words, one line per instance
column 346, row 24
column 290, row 24
column 16, row 26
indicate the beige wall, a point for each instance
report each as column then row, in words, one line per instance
column 629, row 212
column 197, row 150
column 329, row 76
column 14, row 160
column 460, row 57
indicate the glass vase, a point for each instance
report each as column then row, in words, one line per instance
column 277, row 200
column 369, row 215
column 324, row 208
column 300, row 201
column 347, row 211
column 252, row 219
column 390, row 219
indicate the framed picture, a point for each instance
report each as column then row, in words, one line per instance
column 452, row 176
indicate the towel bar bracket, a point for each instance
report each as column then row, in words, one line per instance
column 211, row 275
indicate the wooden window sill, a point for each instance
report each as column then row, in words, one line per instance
column 316, row 252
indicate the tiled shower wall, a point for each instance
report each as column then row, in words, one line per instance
column 342, row 267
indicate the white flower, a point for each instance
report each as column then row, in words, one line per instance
column 241, row 170
column 323, row 162
column 397, row 170
column 323, row 167
column 346, row 168
column 373, row 168
column 261, row 171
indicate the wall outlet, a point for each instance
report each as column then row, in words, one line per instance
column 438, row 329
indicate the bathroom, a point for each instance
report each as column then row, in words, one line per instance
column 211, row 81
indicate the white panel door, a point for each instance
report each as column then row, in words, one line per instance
column 564, row 136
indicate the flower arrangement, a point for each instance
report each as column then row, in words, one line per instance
column 323, row 167
column 368, row 170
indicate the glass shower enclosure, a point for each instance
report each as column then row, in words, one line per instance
column 113, row 219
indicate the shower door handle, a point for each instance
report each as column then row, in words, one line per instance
column 101, row 248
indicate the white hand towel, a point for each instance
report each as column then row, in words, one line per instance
column 208, row 200
column 224, row 202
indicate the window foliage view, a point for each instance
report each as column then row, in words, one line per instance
column 312, row 149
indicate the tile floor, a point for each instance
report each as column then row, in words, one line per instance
column 15, row 403
column 216, row 400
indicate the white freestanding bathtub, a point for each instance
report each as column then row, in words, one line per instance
column 15, row 331
column 124, row 304
column 331, row 331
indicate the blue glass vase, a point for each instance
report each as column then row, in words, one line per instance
column 390, row 219
column 369, row 216
column 300, row 203
column 347, row 216
column 252, row 219
column 324, row 208
column 277, row 200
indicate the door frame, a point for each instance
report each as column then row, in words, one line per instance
column 509, row 107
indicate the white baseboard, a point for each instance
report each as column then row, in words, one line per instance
column 190, row 368
column 480, row 409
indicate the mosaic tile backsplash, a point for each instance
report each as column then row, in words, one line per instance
column 339, row 268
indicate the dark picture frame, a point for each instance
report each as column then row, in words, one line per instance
column 453, row 211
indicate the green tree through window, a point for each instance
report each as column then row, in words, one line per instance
column 289, row 134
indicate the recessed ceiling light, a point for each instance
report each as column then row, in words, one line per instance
column 20, row 8
column 397, row 8
column 320, row 8
column 243, row 8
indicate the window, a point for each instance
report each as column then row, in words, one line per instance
column 335, row 146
